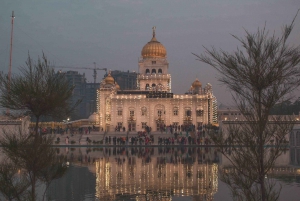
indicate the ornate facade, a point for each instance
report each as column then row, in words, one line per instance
column 153, row 104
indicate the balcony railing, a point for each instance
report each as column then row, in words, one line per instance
column 154, row 76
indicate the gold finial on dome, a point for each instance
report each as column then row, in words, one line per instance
column 153, row 28
column 109, row 79
column 154, row 49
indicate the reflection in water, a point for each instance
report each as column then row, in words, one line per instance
column 152, row 173
column 151, row 176
column 141, row 173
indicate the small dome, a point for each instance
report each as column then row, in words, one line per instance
column 93, row 117
column 154, row 49
column 196, row 83
column 117, row 86
column 92, row 168
column 109, row 79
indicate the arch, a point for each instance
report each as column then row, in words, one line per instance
column 159, row 106
column 120, row 111
column 147, row 87
column 188, row 111
column 131, row 111
column 159, row 110
column 159, row 87
column 144, row 111
column 159, row 71
column 147, row 71
column 153, row 71
column 175, row 110
column 153, row 85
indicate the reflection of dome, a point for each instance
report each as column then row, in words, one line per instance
column 154, row 49
column 93, row 117
column 196, row 83
column 92, row 168
column 109, row 79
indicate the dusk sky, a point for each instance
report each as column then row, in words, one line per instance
column 112, row 33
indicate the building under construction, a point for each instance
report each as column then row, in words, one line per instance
column 87, row 92
column 125, row 79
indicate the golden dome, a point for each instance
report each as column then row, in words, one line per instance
column 117, row 86
column 93, row 117
column 196, row 83
column 154, row 49
column 109, row 79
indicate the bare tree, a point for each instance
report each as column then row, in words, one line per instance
column 38, row 91
column 264, row 72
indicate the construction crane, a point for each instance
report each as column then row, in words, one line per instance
column 95, row 69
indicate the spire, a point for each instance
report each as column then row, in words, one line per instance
column 153, row 28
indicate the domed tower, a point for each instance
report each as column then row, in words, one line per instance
column 153, row 67
column 197, row 87
column 108, row 87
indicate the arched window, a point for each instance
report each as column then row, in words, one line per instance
column 159, row 113
column 175, row 111
column 160, row 71
column 153, row 71
column 153, row 85
column 160, row 87
column 199, row 113
column 120, row 111
column 131, row 113
column 147, row 71
column 147, row 87
column 144, row 111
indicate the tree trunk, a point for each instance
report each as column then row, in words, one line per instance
column 261, row 149
column 33, row 188
column 37, row 125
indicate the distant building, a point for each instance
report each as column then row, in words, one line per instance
column 9, row 125
column 78, row 81
column 90, row 99
column 226, row 113
column 230, row 117
column 87, row 92
column 126, row 80
column 294, row 139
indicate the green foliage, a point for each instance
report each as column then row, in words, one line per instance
column 38, row 91
column 13, row 182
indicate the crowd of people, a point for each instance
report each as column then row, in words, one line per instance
column 171, row 135
column 176, row 136
column 133, row 140
column 66, row 130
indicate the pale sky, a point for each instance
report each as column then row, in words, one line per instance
column 112, row 33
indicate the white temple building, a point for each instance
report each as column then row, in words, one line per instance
column 153, row 104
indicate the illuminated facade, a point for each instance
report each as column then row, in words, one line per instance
column 152, row 103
